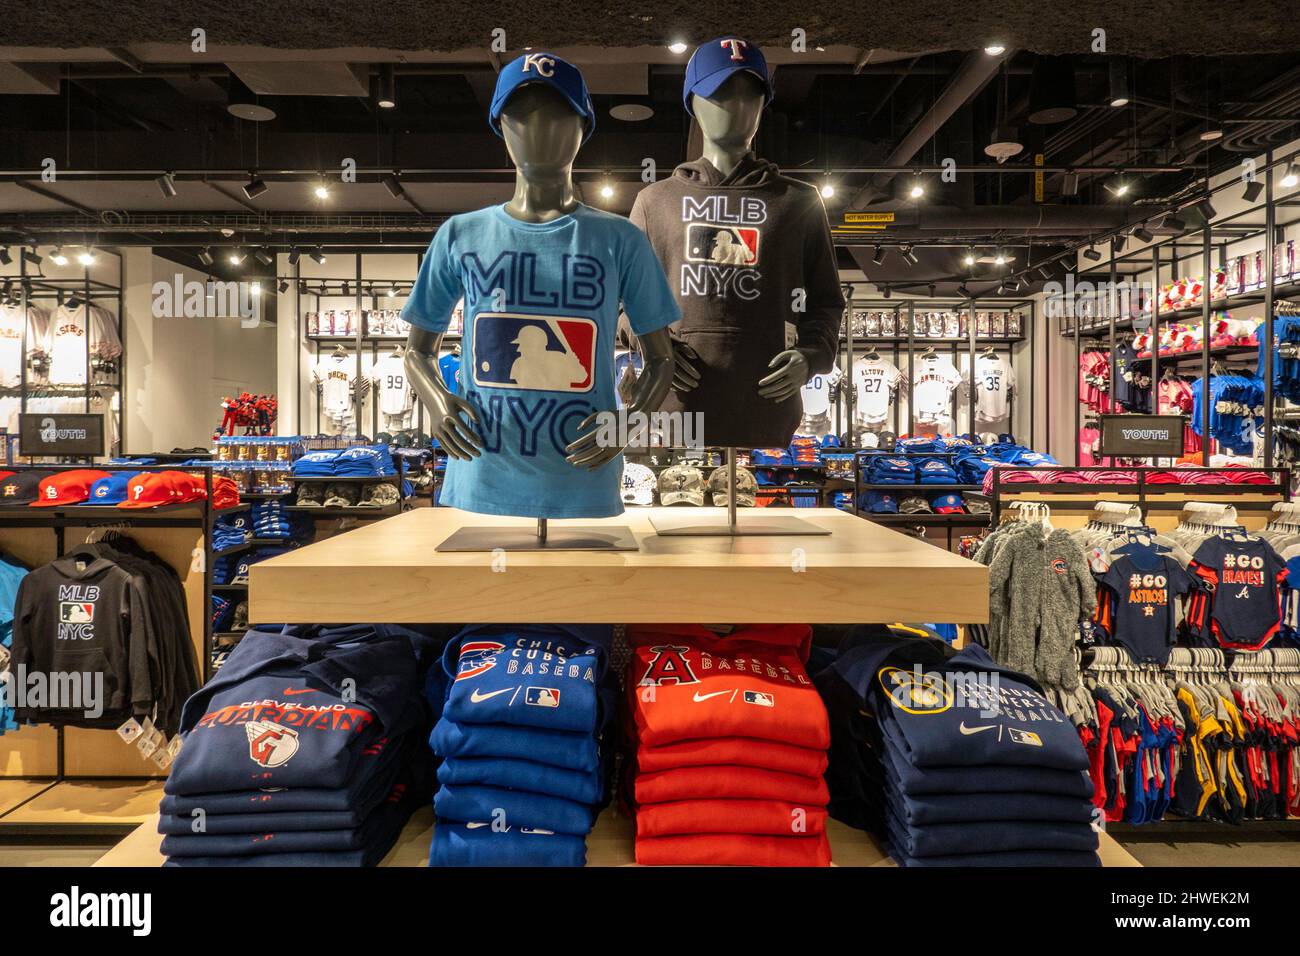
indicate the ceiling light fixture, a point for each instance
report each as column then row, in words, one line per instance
column 254, row 187
column 322, row 191
column 606, row 191
column 1252, row 190
column 969, row 259
column 963, row 290
column 1142, row 233
column 1000, row 259
column 1012, row 285
column 678, row 47
column 1118, row 244
column 167, row 184
column 318, row 255
column 885, row 292
column 5, row 258
column 908, row 255
column 255, row 289
column 1069, row 183
column 1205, row 208
column 918, row 188
column 878, row 258
column 828, row 190
column 87, row 258
column 1173, row 223
column 32, row 256
column 262, row 256
column 58, row 258
column 995, row 49
column 294, row 255
column 386, row 90
column 236, row 256
column 1292, row 176
column 1117, row 188
column 205, row 256
column 1120, row 94
column 392, row 185
column 284, row 285
column 1045, row 271
column 1091, row 254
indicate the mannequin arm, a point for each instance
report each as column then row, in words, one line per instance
column 445, row 423
column 652, row 387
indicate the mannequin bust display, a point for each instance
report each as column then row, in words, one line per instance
column 542, row 277
column 757, row 255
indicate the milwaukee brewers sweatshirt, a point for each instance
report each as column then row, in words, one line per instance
column 744, row 254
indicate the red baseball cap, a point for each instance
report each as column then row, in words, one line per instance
column 148, row 490
column 67, row 487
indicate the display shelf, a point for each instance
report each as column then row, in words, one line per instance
column 344, row 479
column 229, row 587
column 860, row 572
column 610, row 843
column 84, row 807
column 235, row 549
column 355, row 511
column 938, row 489
column 965, row 520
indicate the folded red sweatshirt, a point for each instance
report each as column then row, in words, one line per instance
column 732, row 751
column 748, row 783
column 767, row 817
column 733, row 849
column 686, row 683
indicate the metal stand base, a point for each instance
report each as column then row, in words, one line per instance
column 556, row 538
column 692, row 523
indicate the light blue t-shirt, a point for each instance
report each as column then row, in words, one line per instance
column 541, row 310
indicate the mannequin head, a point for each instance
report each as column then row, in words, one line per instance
column 729, row 117
column 542, row 132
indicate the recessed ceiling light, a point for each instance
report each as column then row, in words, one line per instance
column 995, row 50
column 828, row 190
column 678, row 47
column 631, row 112
column 606, row 191
column 917, row 190
column 322, row 191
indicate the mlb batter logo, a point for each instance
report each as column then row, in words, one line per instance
column 724, row 245
column 539, row 353
column 759, row 698
column 76, row 612
column 542, row 696
column 270, row 745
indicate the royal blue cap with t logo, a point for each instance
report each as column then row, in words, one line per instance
column 547, row 68
column 713, row 63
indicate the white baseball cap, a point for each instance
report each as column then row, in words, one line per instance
column 638, row 484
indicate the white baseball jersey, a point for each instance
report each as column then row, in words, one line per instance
column 816, row 392
column 336, row 375
column 389, row 376
column 69, row 332
column 993, row 385
column 874, row 381
column 932, row 385
column 11, row 341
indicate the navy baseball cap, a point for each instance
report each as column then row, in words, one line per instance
column 547, row 68
column 713, row 63
column 881, row 503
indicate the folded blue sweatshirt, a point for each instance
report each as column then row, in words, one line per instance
column 575, row 785
column 556, row 748
column 949, row 839
column 512, row 808
column 186, row 824
column 478, row 844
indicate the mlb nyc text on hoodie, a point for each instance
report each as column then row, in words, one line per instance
column 744, row 253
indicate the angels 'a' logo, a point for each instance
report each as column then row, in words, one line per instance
column 668, row 666
column 270, row 745
column 477, row 657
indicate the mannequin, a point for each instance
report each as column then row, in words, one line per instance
column 543, row 135
column 542, row 277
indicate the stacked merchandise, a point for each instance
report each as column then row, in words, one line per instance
column 230, row 531
column 524, row 742
column 727, row 742
column 953, row 761
column 306, row 749
column 1094, row 381
column 12, row 572
column 360, row 461
column 1286, row 357
column 380, row 494
column 1175, row 397
column 1236, row 410
column 272, row 521
column 117, row 614
column 233, row 568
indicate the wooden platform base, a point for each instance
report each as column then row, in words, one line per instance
column 609, row 844
column 72, row 807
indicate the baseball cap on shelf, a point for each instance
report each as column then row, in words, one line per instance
column 713, row 63
column 882, row 503
column 638, row 485
column 888, row 441
column 67, row 487
column 379, row 495
column 949, row 505
column 342, row 495
column 681, row 485
column 110, row 490
column 978, row 506
column 746, row 487
column 22, row 487
column 148, row 490
column 915, row 505
column 560, row 75
column 311, row 494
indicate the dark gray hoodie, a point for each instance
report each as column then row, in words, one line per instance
column 736, row 249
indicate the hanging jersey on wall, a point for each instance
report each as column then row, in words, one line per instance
column 389, row 376
column 449, row 367
column 993, row 385
column 11, row 341
column 75, row 336
column 1241, row 607
column 335, row 374
column 932, row 385
column 1145, row 588
column 874, row 381
column 816, row 393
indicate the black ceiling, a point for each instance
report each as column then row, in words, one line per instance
column 1148, row 28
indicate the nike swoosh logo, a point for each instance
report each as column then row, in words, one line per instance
column 477, row 698
column 700, row 698
column 973, row 730
column 289, row 691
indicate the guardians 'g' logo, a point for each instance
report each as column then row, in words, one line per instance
column 914, row 691
column 668, row 666
column 269, row 744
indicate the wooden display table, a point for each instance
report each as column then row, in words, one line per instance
column 610, row 843
column 390, row 572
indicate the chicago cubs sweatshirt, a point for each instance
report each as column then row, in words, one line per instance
column 744, row 254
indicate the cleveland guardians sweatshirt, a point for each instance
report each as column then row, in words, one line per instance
column 744, row 255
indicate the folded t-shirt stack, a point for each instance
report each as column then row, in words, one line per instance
column 316, row 464
column 728, row 746
column 306, row 749
column 890, row 469
column 524, row 710
column 953, row 761
column 230, row 531
column 935, row 471
column 270, row 520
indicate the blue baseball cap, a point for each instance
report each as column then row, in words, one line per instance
column 110, row 490
column 878, row 502
column 547, row 68
column 713, row 63
column 949, row 504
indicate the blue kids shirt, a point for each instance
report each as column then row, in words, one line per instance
column 541, row 310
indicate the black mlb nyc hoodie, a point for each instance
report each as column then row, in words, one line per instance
column 745, row 254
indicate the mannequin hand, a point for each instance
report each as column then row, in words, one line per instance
column 791, row 372
column 686, row 370
column 647, row 395
column 452, row 431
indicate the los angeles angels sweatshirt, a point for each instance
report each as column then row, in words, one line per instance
column 744, row 254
